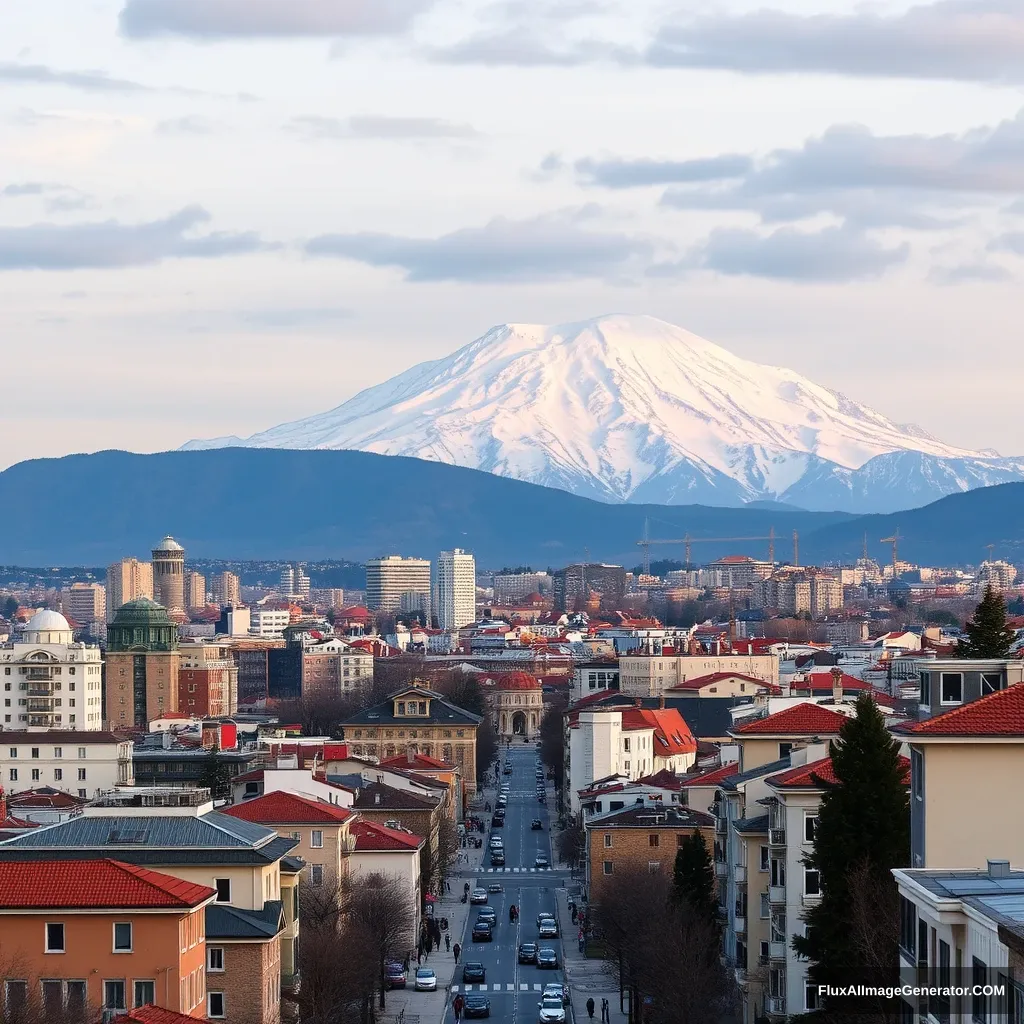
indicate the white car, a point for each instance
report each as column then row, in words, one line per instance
column 426, row 980
column 554, row 990
column 551, row 1010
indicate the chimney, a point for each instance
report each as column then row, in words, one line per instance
column 999, row 869
column 837, row 684
column 376, row 798
column 661, row 702
column 637, row 702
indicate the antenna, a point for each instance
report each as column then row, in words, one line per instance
column 990, row 548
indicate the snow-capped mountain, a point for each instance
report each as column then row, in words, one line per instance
column 630, row 408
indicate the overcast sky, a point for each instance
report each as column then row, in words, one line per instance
column 218, row 215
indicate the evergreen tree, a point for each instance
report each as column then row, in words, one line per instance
column 988, row 635
column 862, row 832
column 215, row 775
column 693, row 878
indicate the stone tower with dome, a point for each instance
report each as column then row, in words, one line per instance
column 169, row 575
column 518, row 706
column 51, row 682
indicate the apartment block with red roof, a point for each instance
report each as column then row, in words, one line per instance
column 649, row 675
column 106, row 935
column 721, row 684
column 766, row 738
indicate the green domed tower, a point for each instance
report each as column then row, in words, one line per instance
column 142, row 625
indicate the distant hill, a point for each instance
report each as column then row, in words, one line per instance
column 261, row 503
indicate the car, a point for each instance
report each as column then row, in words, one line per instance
column 482, row 932
column 498, row 821
column 474, row 971
column 495, row 887
column 542, row 800
column 487, row 914
column 556, row 990
column 478, row 896
column 395, row 975
column 508, row 769
column 547, row 958
column 551, row 1011
column 502, row 801
column 528, row 952
column 548, row 929
column 498, row 858
column 496, row 843
column 505, row 787
column 474, row 1006
column 537, row 825
column 543, row 916
column 426, row 980
column 541, row 861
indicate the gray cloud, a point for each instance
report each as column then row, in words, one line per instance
column 189, row 124
column 831, row 255
column 109, row 244
column 520, row 47
column 63, row 198
column 550, row 247
column 379, row 127
column 227, row 19
column 90, row 81
column 1012, row 241
column 27, row 188
column 969, row 40
column 633, row 173
column 970, row 273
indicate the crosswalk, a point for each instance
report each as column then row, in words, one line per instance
column 513, row 871
column 502, row 987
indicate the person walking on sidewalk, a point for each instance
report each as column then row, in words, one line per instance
column 606, row 1012
column 456, row 949
column 447, row 942
column 458, row 1003
column 590, row 1007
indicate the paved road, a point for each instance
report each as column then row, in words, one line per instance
column 513, row 988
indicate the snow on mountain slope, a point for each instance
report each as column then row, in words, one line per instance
column 630, row 408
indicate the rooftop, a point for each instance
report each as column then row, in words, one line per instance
column 417, row 762
column 371, row 837
column 58, row 737
column 698, row 682
column 227, row 922
column 150, row 1014
column 283, row 808
column 812, row 775
column 996, row 714
column 713, row 776
column 806, row 719
column 440, row 711
column 652, row 817
column 377, row 795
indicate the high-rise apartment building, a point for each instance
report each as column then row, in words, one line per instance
column 127, row 580
column 169, row 575
column 195, row 590
column 394, row 583
column 227, row 589
column 207, row 680
column 572, row 586
column 514, row 586
column 86, row 603
column 456, row 589
column 295, row 582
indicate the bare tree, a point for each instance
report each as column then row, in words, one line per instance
column 27, row 999
column 447, row 849
column 571, row 843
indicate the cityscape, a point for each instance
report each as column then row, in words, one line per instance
column 511, row 511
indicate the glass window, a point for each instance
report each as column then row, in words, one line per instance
column 215, row 958
column 316, row 874
column 607, row 839
column 810, row 825
column 765, row 858
column 54, row 937
column 215, row 1005
column 16, row 996
column 113, row 995
column 979, row 1007
column 908, row 929
column 122, row 937
column 952, row 688
column 917, row 773
column 76, row 999
column 607, row 867
column 653, row 840
column 926, row 689
column 223, row 887
column 53, row 999
column 991, row 682
column 145, row 993
column 317, row 839
column 812, row 882
column 58, row 774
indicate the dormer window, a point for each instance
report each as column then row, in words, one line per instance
column 401, row 708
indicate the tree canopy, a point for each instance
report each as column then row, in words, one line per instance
column 988, row 635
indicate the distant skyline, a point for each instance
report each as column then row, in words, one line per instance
column 220, row 215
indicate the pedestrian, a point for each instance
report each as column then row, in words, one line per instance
column 456, row 949
column 419, row 955
column 458, row 1003
column 447, row 942
column 590, row 1007
column 574, row 915
column 606, row 1012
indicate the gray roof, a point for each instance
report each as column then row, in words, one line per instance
column 758, row 824
column 735, row 781
column 292, row 865
column 442, row 712
column 168, row 857
column 227, row 922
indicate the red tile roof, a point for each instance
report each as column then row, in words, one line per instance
column 714, row 776
column 997, row 714
column 807, row 775
column 662, row 780
column 420, row 762
column 807, row 719
column 370, row 836
column 820, row 683
column 150, row 1014
column 716, row 677
column 283, row 808
column 94, row 884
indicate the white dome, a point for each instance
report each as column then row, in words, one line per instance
column 45, row 621
column 168, row 544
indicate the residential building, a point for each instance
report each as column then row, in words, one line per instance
column 328, row 597
column 456, row 589
column 251, row 655
column 421, row 720
column 397, row 584
column 997, row 574
column 142, row 665
column 106, row 934
column 234, row 621
column 295, row 584
column 195, row 591
column 49, row 681
column 226, row 589
column 169, row 575
column 207, row 679
column 572, row 586
column 45, row 805
column 795, row 591
column 699, row 790
column 593, row 677
column 517, row 702
column 948, row 683
column 258, row 782
column 510, row 587
column 648, row 675
column 179, row 833
column 737, row 572
column 331, row 668
column 127, row 580
column 433, row 773
column 85, row 764
column 721, row 684
column 641, row 839
column 163, row 762
column 86, row 603
column 269, row 622
column 321, row 831
column 765, row 738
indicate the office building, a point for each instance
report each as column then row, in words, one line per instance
column 169, row 575
column 456, row 589
column 295, row 583
column 510, row 587
column 397, row 584
column 572, row 586
column 86, row 603
column 195, row 590
column 269, row 621
column 127, row 580
column 227, row 589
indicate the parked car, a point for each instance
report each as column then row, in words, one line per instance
column 396, row 975
column 541, row 861
column 547, row 958
column 551, row 1011
column 556, row 990
column 487, row 914
column 537, row 825
column 474, row 971
column 495, row 887
column 498, row 858
column 543, row 916
column 475, row 1006
column 426, row 980
column 508, row 769
column 482, row 932
column 478, row 896
column 498, row 821
column 528, row 953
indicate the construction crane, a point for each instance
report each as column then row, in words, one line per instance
column 893, row 540
column 990, row 548
column 645, row 542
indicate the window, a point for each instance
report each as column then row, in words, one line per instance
column 810, row 825
column 35, row 752
column 58, row 751
column 766, row 907
column 401, row 707
column 317, row 839
column 991, row 682
column 76, row 999
column 680, row 840
column 58, row 774
column 215, row 958
column 316, row 874
column 765, row 858
column 607, row 867
column 812, row 882
column 35, row 774
column 784, row 749
column 122, row 936
column 54, row 937
column 952, row 688
column 13, row 774
column 13, row 752
column 926, row 689
column 625, row 744
column 15, row 996
column 908, row 929
column 917, row 773
column 53, row 998
column 113, row 995
column 653, row 840
column 145, row 992
column 81, row 753
column 81, row 775
column 979, row 1009
column 653, row 867
column 810, row 996
column 607, row 840
column 215, row 1005
column 223, row 887
column 83, row 794
column 941, row 1002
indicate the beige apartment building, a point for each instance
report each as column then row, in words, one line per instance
column 227, row 589
column 793, row 592
column 127, row 580
column 394, row 583
column 86, row 603
column 650, row 675
column 195, row 590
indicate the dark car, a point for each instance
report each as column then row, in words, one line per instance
column 508, row 770
column 528, row 953
column 475, row 1006
column 487, row 914
column 482, row 932
column 474, row 971
column 547, row 959
column 396, row 975
column 541, row 861
column 498, row 821
column 498, row 858
column 537, row 825
column 495, row 887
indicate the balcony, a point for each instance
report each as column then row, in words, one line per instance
column 40, row 704
column 42, row 675
column 722, row 868
column 40, row 691
column 776, row 950
column 740, row 925
column 775, row 1006
column 739, row 873
column 776, row 837
column 721, row 824
column 777, row 895
column 811, row 899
